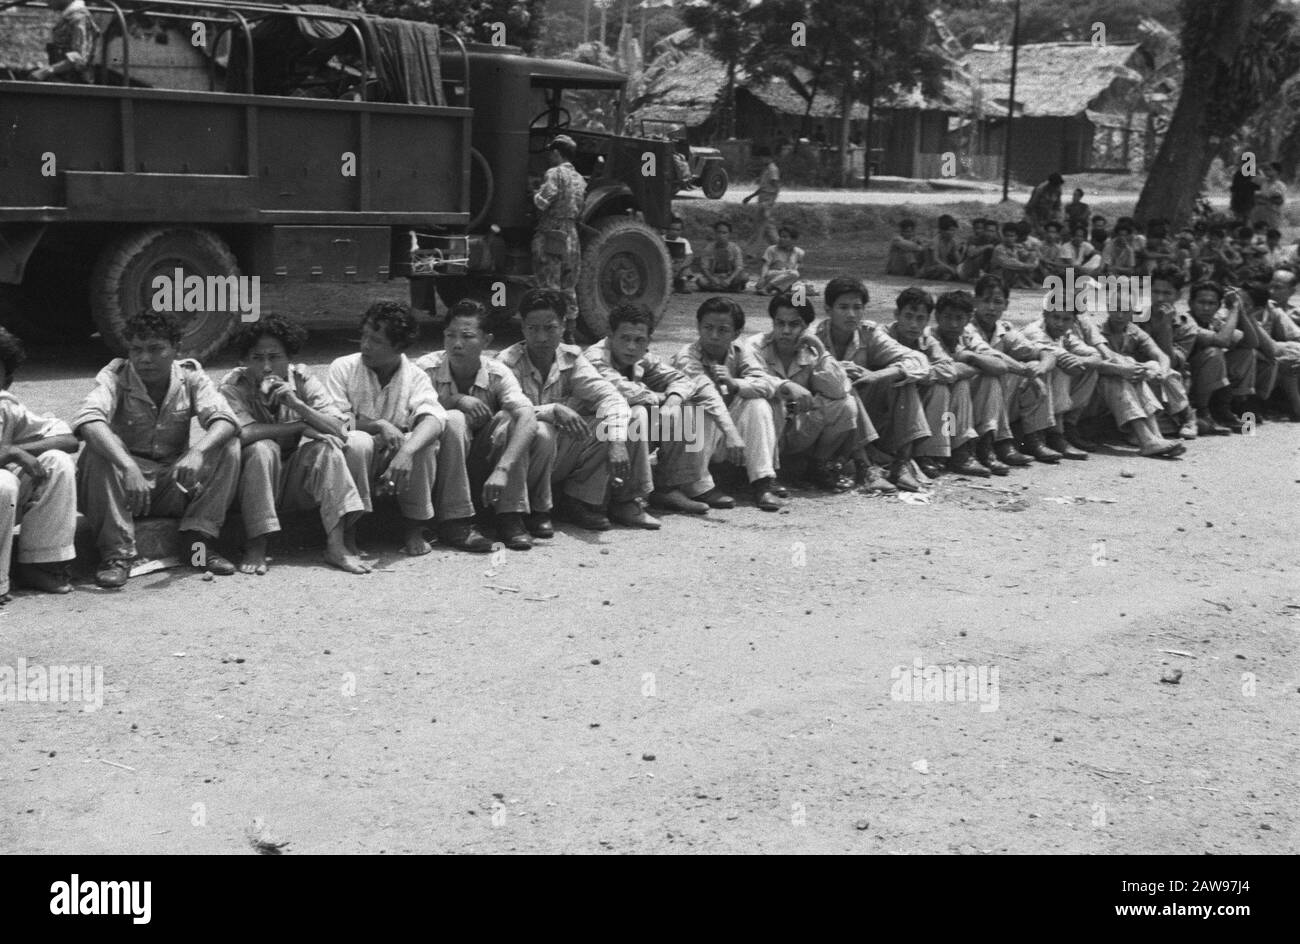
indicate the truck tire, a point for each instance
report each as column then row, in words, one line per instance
column 714, row 182
column 624, row 261
column 122, row 284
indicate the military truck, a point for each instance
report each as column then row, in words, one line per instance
column 304, row 144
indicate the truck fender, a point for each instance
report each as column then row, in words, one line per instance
column 17, row 242
column 606, row 200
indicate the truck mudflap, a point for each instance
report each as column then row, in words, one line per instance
column 17, row 242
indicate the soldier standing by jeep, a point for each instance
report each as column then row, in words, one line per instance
column 556, row 251
column 71, row 48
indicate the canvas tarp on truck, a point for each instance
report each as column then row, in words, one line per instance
column 288, row 51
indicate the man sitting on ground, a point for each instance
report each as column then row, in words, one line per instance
column 292, row 436
column 573, row 401
column 38, row 487
column 139, row 460
column 737, row 392
column 399, row 440
column 509, row 465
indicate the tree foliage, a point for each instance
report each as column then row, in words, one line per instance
column 1237, row 56
column 471, row 19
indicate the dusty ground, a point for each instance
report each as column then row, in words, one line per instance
column 721, row 686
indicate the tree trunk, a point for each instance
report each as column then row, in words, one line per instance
column 729, row 105
column 1211, row 107
column 1185, row 155
column 846, row 123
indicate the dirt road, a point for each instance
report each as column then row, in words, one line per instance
column 728, row 684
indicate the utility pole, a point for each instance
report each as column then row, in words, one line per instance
column 1011, row 105
column 586, row 21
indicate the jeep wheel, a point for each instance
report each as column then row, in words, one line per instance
column 624, row 261
column 122, row 285
column 714, row 181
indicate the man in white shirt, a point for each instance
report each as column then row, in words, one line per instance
column 399, row 439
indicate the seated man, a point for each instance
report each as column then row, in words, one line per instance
column 1120, row 255
column 573, row 402
column 1026, row 390
column 904, row 251
column 984, row 369
column 1277, row 356
column 978, row 252
column 735, row 389
column 1011, row 261
column 945, row 391
column 138, row 459
column 780, row 264
column 400, row 441
column 292, row 436
column 1129, row 341
column 1278, row 325
column 814, row 404
column 885, row 374
column 942, row 260
column 508, row 464
column 38, row 487
column 1086, row 366
column 679, row 254
column 1220, row 357
column 1054, row 256
column 722, row 264
column 658, row 397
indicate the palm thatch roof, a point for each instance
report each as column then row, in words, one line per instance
column 24, row 31
column 1056, row 80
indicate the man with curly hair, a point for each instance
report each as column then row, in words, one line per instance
column 292, row 436
column 139, row 459
column 38, row 486
column 399, row 440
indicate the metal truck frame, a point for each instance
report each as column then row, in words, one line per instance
column 103, row 187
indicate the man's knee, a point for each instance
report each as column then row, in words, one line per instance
column 8, row 493
column 58, row 464
column 261, row 454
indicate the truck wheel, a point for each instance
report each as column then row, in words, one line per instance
column 625, row 261
column 122, row 285
column 714, row 181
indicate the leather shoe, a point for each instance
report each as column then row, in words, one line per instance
column 675, row 500
column 985, row 457
column 1077, row 439
column 630, row 514
column 714, row 498
column 874, row 480
column 113, row 573
column 539, row 525
column 47, row 578
column 1056, row 441
column 901, row 475
column 1207, row 425
column 462, row 535
column 1007, row 453
column 764, row 496
column 930, row 467
column 963, row 463
column 584, row 516
column 512, row 533
column 1034, row 447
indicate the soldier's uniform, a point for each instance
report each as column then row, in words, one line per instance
column 556, row 251
column 71, row 49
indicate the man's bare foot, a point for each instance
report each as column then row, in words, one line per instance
column 416, row 545
column 254, row 561
column 349, row 563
